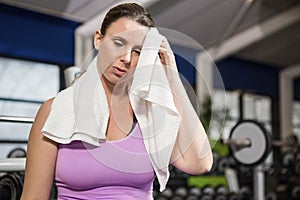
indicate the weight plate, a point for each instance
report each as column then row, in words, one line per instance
column 260, row 140
column 10, row 187
column 17, row 153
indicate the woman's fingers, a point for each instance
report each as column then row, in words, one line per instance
column 166, row 54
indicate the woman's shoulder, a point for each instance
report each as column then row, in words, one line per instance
column 43, row 112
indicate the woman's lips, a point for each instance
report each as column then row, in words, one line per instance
column 119, row 71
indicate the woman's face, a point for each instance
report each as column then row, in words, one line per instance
column 119, row 48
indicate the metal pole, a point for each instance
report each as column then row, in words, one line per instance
column 259, row 183
column 16, row 119
column 12, row 164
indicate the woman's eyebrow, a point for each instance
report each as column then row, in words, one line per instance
column 137, row 47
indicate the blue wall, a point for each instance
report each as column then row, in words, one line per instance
column 185, row 59
column 249, row 76
column 30, row 35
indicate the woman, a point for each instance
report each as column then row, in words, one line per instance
column 76, row 171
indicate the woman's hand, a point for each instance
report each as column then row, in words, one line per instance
column 168, row 59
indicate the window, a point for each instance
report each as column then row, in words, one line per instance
column 258, row 108
column 24, row 85
column 225, row 113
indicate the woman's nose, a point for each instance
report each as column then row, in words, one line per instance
column 126, row 57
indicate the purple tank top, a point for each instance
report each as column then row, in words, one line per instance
column 118, row 169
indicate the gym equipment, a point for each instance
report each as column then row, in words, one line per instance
column 220, row 197
column 232, row 180
column 194, row 193
column 11, row 186
column 165, row 195
column 221, row 189
column 191, row 197
column 12, row 164
column 297, row 167
column 244, row 171
column 225, row 162
column 271, row 196
column 180, row 193
column 208, row 190
column 295, row 192
column 245, row 192
column 234, row 196
column 206, row 197
column 17, row 153
column 250, row 143
column 16, row 119
column 287, row 158
column 221, row 193
column 215, row 162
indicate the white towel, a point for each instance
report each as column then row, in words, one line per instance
column 81, row 112
column 154, row 107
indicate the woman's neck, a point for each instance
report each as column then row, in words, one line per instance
column 108, row 86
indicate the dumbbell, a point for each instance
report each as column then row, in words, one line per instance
column 245, row 192
column 208, row 190
column 10, row 186
column 208, row 193
column 297, row 167
column 165, row 195
column 295, row 192
column 234, row 196
column 180, row 193
column 225, row 162
column 194, row 193
column 271, row 196
column 221, row 192
column 206, row 197
column 17, row 153
column 287, row 158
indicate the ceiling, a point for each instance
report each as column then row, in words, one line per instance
column 209, row 22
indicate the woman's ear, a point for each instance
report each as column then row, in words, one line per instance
column 97, row 39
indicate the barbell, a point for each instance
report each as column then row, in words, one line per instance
column 250, row 143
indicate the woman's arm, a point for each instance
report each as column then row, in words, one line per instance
column 41, row 159
column 192, row 152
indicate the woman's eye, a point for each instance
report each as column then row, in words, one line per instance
column 118, row 43
column 137, row 51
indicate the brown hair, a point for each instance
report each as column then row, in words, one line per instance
column 130, row 10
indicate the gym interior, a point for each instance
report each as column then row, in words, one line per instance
column 240, row 61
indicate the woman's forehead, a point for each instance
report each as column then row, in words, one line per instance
column 127, row 29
